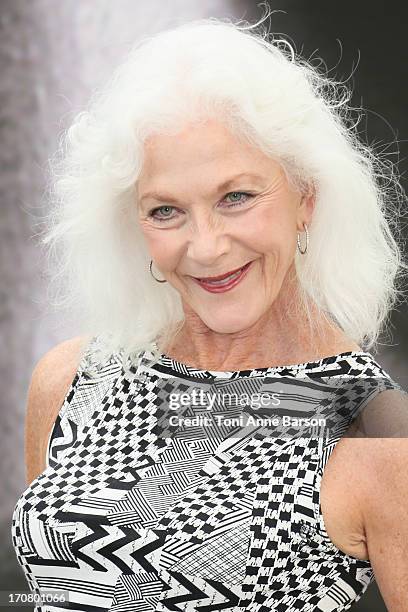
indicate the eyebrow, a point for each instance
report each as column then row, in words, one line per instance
column 162, row 197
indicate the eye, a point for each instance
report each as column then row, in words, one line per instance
column 165, row 218
column 167, row 209
column 240, row 201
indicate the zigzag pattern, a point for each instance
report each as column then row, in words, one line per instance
column 132, row 514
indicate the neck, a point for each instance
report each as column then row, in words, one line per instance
column 282, row 336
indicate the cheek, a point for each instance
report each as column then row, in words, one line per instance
column 269, row 229
column 163, row 246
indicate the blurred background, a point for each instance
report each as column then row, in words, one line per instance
column 52, row 55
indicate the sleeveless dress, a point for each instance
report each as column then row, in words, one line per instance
column 125, row 518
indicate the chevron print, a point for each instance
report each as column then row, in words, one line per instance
column 134, row 515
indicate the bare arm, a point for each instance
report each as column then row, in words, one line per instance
column 382, row 462
column 385, row 519
column 50, row 381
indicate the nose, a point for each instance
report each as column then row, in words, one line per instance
column 208, row 242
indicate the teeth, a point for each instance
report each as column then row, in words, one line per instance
column 224, row 280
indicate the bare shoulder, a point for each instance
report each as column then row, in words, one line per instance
column 380, row 442
column 363, row 466
column 49, row 384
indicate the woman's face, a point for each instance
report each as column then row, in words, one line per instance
column 208, row 204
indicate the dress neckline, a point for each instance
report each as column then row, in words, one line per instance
column 168, row 364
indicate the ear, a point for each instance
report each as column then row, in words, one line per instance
column 306, row 207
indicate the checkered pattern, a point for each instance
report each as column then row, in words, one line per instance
column 133, row 515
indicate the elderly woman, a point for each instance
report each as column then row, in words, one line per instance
column 221, row 227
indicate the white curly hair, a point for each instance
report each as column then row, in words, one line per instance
column 261, row 89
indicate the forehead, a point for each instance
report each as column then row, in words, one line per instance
column 201, row 149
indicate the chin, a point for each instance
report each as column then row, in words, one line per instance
column 228, row 322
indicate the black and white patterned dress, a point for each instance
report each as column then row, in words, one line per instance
column 125, row 518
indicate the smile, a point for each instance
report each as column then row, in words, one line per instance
column 224, row 282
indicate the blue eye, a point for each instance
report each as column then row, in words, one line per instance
column 169, row 217
column 165, row 218
column 238, row 202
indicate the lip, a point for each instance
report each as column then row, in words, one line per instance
column 220, row 277
column 226, row 286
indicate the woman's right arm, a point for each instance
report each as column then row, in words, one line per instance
column 51, row 378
